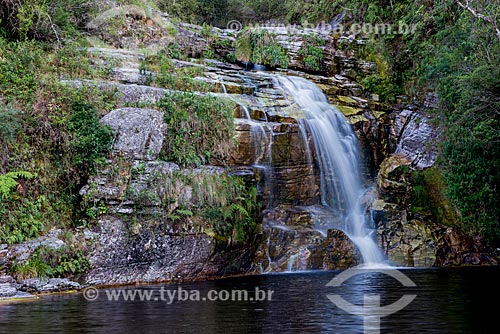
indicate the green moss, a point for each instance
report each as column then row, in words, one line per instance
column 429, row 197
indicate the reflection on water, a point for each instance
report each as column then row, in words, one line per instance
column 448, row 301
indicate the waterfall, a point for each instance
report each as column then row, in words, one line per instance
column 337, row 155
column 262, row 145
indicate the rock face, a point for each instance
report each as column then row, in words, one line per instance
column 140, row 132
column 411, row 238
column 293, row 241
column 272, row 154
column 157, row 251
column 417, row 139
column 20, row 253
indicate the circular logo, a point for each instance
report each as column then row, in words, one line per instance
column 371, row 309
column 90, row 294
column 234, row 25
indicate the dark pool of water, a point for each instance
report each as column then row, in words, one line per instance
column 448, row 301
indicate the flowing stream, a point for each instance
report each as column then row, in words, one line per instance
column 337, row 154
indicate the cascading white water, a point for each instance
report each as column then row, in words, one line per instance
column 336, row 149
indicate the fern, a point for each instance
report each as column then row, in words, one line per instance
column 185, row 212
column 8, row 182
column 240, row 209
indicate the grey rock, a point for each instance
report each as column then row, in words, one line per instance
column 7, row 290
column 43, row 285
column 124, row 57
column 21, row 252
column 125, row 93
column 418, row 139
column 149, row 251
column 139, row 133
column 132, row 76
column 303, row 238
column 6, row 279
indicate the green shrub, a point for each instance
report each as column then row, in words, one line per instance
column 41, row 19
column 23, row 221
column 311, row 52
column 200, row 127
column 19, row 65
column 260, row 47
column 8, row 182
column 10, row 123
column 48, row 262
column 228, row 206
column 382, row 86
column 91, row 140
column 169, row 77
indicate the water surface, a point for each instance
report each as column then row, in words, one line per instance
column 448, row 301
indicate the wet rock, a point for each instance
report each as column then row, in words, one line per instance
column 411, row 238
column 413, row 242
column 45, row 285
column 139, row 133
column 339, row 251
column 292, row 241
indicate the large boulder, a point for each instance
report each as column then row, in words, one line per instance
column 153, row 251
column 139, row 133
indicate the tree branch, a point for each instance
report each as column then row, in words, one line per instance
column 480, row 16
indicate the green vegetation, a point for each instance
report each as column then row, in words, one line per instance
column 200, row 128
column 51, row 140
column 312, row 52
column 41, row 19
column 220, row 205
column 429, row 197
column 50, row 135
column 167, row 76
column 90, row 139
column 227, row 205
column 8, row 182
column 260, row 47
column 47, row 262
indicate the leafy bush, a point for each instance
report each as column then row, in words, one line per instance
column 260, row 47
column 169, row 77
column 200, row 127
column 91, row 139
column 19, row 64
column 312, row 52
column 26, row 221
column 8, row 182
column 227, row 204
column 49, row 262
column 382, row 86
column 10, row 123
column 41, row 19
